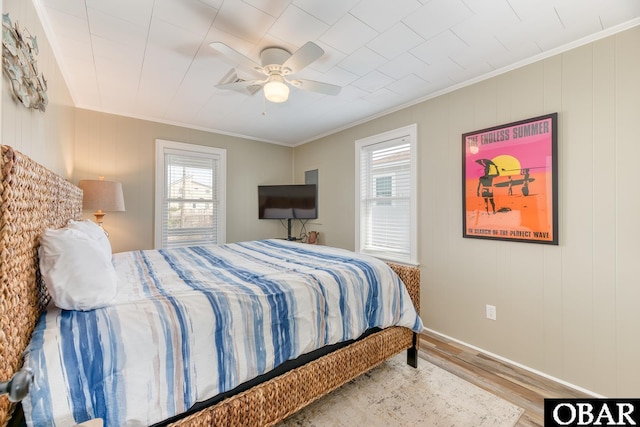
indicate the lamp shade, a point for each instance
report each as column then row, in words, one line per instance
column 102, row 195
column 276, row 90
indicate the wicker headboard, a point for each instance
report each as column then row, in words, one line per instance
column 32, row 198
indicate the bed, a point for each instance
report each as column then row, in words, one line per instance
column 34, row 199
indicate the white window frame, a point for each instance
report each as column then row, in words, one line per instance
column 410, row 132
column 195, row 150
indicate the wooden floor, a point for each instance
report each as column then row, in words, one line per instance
column 516, row 385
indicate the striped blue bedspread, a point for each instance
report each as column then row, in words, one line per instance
column 190, row 323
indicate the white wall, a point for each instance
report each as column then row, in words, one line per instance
column 45, row 137
column 569, row 310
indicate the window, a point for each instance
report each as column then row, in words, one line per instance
column 386, row 208
column 383, row 189
column 190, row 194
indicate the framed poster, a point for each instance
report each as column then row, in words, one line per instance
column 510, row 181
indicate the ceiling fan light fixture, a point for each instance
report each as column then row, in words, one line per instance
column 276, row 90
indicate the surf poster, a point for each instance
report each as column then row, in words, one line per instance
column 510, row 181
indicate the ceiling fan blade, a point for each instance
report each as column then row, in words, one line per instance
column 236, row 57
column 320, row 87
column 302, row 57
column 244, row 86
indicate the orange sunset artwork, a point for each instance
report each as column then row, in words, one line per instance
column 508, row 182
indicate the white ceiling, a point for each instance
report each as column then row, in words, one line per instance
column 151, row 59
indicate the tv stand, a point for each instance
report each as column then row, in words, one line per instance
column 289, row 229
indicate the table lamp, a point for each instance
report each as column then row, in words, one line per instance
column 101, row 196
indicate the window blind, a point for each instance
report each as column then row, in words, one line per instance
column 385, row 199
column 192, row 209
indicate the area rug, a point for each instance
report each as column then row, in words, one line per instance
column 395, row 394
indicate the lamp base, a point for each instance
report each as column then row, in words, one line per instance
column 99, row 218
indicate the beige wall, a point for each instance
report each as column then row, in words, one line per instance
column 123, row 149
column 45, row 137
column 571, row 310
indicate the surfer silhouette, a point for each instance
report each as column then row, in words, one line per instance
column 510, row 183
column 525, row 184
column 485, row 183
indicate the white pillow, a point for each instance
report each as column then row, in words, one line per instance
column 75, row 270
column 94, row 231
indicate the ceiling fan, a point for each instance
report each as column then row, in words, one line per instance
column 277, row 64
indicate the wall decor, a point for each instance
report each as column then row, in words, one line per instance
column 19, row 49
column 510, row 183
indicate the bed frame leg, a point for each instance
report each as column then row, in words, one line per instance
column 412, row 352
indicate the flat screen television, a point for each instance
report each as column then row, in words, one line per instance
column 297, row 201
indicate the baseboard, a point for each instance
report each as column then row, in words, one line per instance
column 519, row 365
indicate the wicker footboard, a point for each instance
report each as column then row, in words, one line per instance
column 270, row 402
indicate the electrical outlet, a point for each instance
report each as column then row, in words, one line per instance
column 491, row 312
